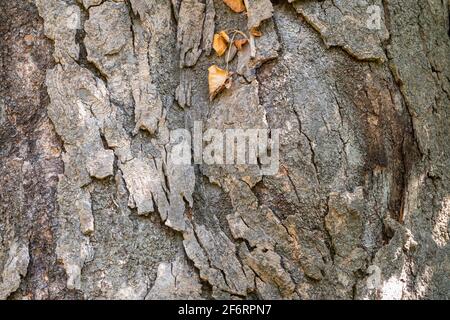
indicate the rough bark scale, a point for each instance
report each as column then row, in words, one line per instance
column 92, row 207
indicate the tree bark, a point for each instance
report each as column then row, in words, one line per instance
column 92, row 206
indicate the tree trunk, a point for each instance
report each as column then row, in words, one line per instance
column 92, row 204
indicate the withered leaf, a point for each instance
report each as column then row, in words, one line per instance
column 240, row 43
column 218, row 79
column 255, row 32
column 224, row 35
column 235, row 5
column 220, row 43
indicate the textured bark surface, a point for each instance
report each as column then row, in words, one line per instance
column 92, row 206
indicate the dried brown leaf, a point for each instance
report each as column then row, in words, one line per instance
column 240, row 43
column 255, row 32
column 235, row 5
column 220, row 43
column 218, row 79
column 225, row 36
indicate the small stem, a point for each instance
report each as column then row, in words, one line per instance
column 252, row 46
